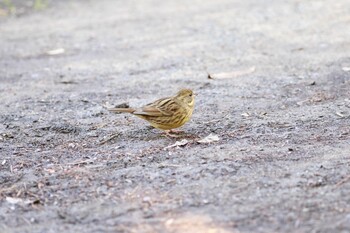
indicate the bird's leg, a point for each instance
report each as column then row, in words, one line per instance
column 174, row 131
column 168, row 134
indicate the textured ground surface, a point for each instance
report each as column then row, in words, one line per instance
column 283, row 117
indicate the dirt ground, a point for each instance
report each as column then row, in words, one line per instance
column 282, row 116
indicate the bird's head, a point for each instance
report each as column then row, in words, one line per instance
column 186, row 96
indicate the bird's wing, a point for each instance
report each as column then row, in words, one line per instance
column 158, row 108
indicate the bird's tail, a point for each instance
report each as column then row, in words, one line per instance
column 129, row 110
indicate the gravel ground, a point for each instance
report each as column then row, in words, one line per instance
column 278, row 100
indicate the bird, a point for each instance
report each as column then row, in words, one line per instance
column 166, row 113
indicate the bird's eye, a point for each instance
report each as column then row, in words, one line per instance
column 190, row 95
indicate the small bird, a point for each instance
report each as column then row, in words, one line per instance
column 166, row 113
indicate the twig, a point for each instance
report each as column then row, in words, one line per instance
column 26, row 220
column 110, row 138
column 80, row 162
column 33, row 195
column 343, row 181
column 163, row 165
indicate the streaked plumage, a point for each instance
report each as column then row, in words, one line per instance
column 167, row 113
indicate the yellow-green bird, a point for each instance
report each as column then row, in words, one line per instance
column 166, row 113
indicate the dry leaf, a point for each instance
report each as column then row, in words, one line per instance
column 183, row 142
column 233, row 74
column 14, row 201
column 346, row 68
column 208, row 139
column 55, row 52
column 340, row 114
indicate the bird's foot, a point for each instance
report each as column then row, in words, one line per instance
column 174, row 131
column 168, row 134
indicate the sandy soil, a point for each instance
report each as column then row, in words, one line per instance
column 282, row 117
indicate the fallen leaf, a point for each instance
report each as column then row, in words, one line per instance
column 183, row 142
column 233, row 74
column 55, row 52
column 13, row 200
column 340, row 114
column 346, row 68
column 208, row 139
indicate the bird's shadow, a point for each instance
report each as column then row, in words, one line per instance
column 148, row 133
